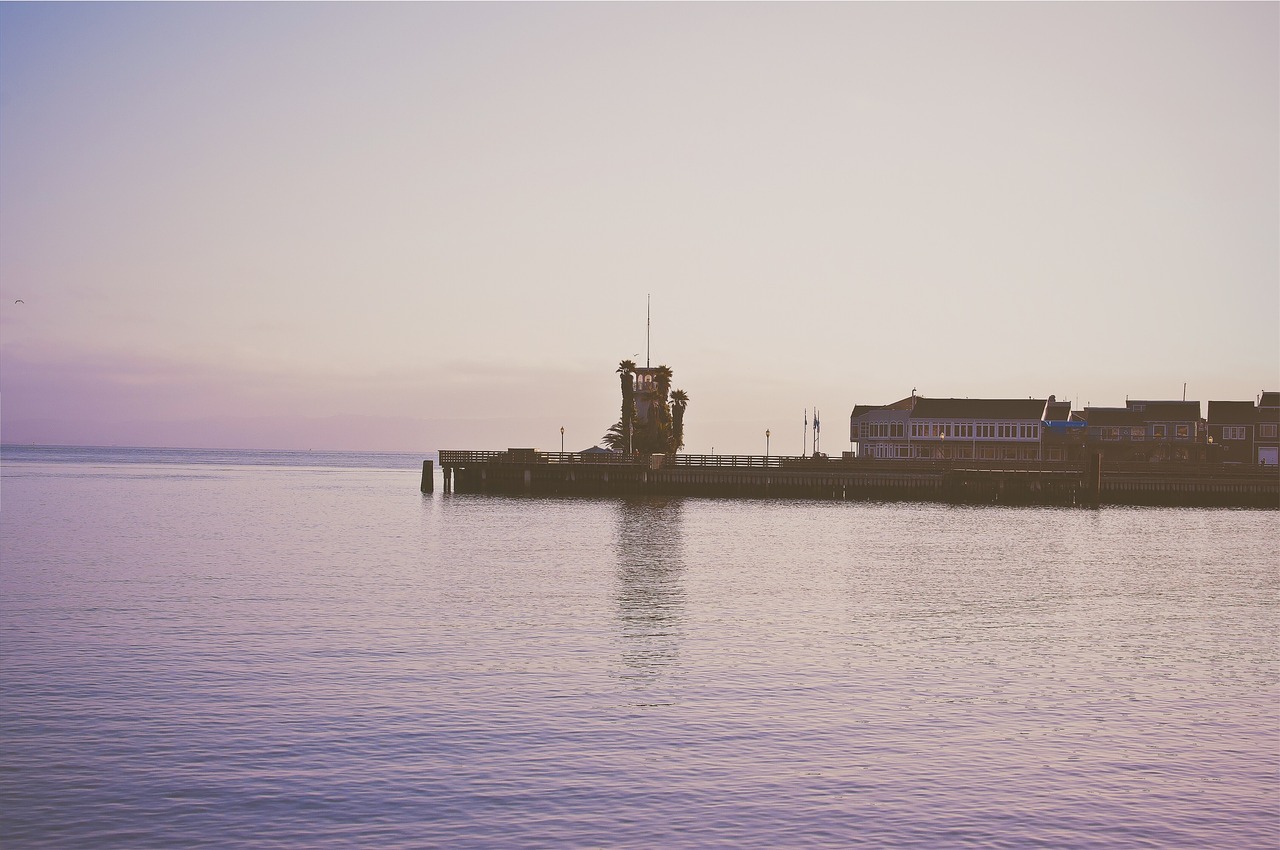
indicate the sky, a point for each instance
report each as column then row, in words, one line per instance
column 415, row 226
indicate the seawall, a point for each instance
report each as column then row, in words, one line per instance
column 525, row 471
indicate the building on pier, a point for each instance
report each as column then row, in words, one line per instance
column 918, row 428
column 1267, row 441
column 1148, row 431
column 1244, row 431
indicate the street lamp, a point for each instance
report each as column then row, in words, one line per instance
column 766, row 442
column 561, row 439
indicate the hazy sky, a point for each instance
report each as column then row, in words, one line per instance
column 421, row 226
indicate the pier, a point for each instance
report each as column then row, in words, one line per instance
column 532, row 472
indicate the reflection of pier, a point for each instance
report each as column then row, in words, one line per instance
column 650, row 594
column 962, row 481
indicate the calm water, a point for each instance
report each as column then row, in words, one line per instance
column 301, row 650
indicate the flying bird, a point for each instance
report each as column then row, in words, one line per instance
column 19, row 301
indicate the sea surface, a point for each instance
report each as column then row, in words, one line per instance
column 301, row 650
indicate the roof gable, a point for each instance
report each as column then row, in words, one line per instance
column 1231, row 412
column 1057, row 411
column 1096, row 416
column 1165, row 411
column 978, row 408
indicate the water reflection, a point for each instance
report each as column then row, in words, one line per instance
column 649, row 541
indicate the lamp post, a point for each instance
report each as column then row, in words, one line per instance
column 766, row 442
column 561, row 439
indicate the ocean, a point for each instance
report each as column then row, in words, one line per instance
column 299, row 649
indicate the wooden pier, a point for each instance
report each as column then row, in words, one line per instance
column 526, row 471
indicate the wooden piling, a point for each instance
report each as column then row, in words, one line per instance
column 428, row 476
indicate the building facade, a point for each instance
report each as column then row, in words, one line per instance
column 1148, row 431
column 1266, row 441
column 1232, row 430
column 1246, row 432
column 920, row 428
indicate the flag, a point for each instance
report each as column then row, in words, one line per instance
column 815, row 420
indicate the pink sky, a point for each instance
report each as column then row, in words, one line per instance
column 422, row 226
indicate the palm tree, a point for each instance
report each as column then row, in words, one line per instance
column 615, row 438
column 679, row 401
column 662, row 379
column 626, row 369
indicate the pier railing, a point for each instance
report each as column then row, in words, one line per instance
column 730, row 461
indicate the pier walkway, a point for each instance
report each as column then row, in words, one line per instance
column 527, row 471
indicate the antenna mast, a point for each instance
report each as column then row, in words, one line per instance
column 646, row 331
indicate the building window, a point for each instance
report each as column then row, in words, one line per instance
column 1158, row 431
column 1233, row 432
column 1110, row 433
column 1184, row 431
column 1267, row 431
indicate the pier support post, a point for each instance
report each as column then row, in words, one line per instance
column 1093, row 479
column 428, row 476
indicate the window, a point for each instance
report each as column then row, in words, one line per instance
column 1233, row 432
column 1267, row 431
column 1184, row 431
column 1158, row 431
column 1110, row 433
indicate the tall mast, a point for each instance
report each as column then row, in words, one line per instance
column 646, row 331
